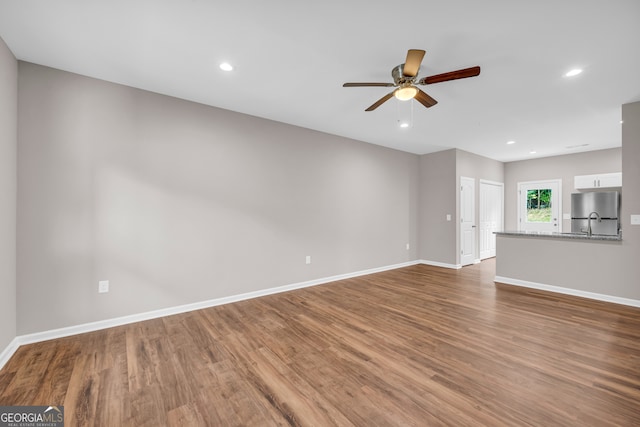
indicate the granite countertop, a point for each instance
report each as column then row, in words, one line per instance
column 555, row 235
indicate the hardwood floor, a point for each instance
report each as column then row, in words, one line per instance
column 420, row 346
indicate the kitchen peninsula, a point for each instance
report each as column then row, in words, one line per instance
column 569, row 263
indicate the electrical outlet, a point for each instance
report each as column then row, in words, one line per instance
column 635, row 219
column 448, row 217
column 308, row 260
column 408, row 246
column 103, row 286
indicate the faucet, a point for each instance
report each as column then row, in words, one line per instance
column 589, row 218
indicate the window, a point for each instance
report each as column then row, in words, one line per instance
column 539, row 205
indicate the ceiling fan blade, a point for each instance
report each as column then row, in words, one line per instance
column 368, row 84
column 425, row 99
column 380, row 101
column 412, row 63
column 451, row 75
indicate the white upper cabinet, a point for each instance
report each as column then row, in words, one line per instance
column 601, row 180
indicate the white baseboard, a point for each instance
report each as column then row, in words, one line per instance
column 440, row 264
column 119, row 321
column 568, row 291
column 8, row 352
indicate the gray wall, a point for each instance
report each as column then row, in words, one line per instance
column 609, row 268
column 175, row 202
column 479, row 167
column 562, row 167
column 438, row 197
column 631, row 199
column 8, row 147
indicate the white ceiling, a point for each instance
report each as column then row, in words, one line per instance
column 292, row 56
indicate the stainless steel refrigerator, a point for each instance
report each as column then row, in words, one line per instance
column 602, row 206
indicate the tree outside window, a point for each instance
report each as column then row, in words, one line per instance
column 539, row 205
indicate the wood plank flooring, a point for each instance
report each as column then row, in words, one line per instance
column 417, row 346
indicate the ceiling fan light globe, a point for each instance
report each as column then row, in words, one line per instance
column 405, row 93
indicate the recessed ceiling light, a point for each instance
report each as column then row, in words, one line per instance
column 573, row 72
column 621, row 121
column 226, row 66
column 404, row 125
column 532, row 152
column 510, row 142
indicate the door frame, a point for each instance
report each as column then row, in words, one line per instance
column 500, row 185
column 519, row 186
column 469, row 259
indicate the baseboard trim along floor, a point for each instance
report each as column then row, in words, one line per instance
column 440, row 264
column 124, row 320
column 8, row 351
column 568, row 291
column 6, row 354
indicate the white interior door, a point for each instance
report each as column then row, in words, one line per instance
column 490, row 216
column 540, row 206
column 467, row 221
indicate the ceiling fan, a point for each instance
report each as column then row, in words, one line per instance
column 405, row 77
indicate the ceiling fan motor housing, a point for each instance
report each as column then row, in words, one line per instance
column 398, row 76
